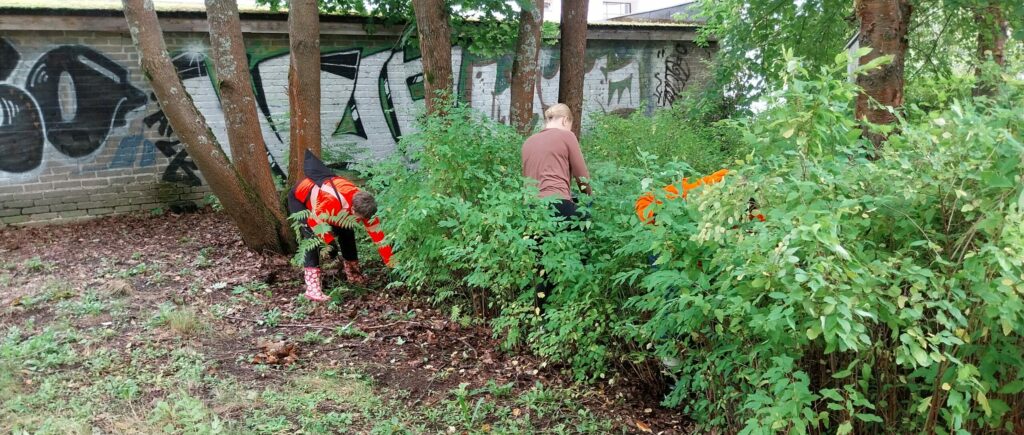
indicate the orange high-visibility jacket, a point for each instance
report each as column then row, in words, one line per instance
column 684, row 186
column 332, row 198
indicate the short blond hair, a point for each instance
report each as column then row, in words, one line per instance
column 556, row 111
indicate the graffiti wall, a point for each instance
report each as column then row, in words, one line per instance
column 82, row 135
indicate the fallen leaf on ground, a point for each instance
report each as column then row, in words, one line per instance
column 643, row 426
column 275, row 352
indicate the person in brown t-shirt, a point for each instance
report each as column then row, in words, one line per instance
column 552, row 157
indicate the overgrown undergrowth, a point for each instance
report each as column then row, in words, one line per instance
column 882, row 293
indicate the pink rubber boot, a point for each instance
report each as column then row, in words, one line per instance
column 313, row 290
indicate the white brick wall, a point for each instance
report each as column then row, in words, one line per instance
column 99, row 100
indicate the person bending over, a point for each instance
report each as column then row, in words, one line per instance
column 329, row 197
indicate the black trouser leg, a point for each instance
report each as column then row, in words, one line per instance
column 312, row 257
column 347, row 241
column 566, row 210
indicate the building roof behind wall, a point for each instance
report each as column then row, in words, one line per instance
column 73, row 15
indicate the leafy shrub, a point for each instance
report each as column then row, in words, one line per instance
column 461, row 218
column 883, row 291
column 668, row 134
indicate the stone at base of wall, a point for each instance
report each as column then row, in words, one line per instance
column 70, row 216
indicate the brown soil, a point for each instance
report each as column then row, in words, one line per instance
column 196, row 259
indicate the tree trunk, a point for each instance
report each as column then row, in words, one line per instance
column 992, row 35
column 303, row 84
column 248, row 150
column 883, row 27
column 259, row 228
column 524, row 67
column 436, row 47
column 573, row 58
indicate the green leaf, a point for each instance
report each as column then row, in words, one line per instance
column 1013, row 387
column 870, row 418
column 844, row 428
column 920, row 355
column 996, row 180
column 983, row 401
column 875, row 63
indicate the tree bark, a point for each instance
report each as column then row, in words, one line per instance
column 248, row 150
column 992, row 35
column 258, row 226
column 436, row 48
column 524, row 67
column 573, row 58
column 883, row 27
column 303, row 84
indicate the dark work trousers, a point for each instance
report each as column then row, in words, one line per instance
column 345, row 237
column 565, row 209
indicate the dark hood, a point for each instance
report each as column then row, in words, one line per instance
column 315, row 169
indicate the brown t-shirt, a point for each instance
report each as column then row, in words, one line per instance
column 553, row 158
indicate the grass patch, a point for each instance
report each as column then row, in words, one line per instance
column 183, row 321
column 89, row 304
column 52, row 290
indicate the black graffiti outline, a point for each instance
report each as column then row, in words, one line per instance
column 9, row 58
column 21, row 131
column 173, row 149
column 188, row 65
column 103, row 97
column 32, row 116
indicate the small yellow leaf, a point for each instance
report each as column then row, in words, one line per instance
column 983, row 401
column 788, row 133
column 946, row 386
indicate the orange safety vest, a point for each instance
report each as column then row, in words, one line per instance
column 684, row 186
column 331, row 199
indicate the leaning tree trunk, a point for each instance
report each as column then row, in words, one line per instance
column 436, row 46
column 524, row 67
column 248, row 150
column 303, row 83
column 883, row 27
column 258, row 225
column 992, row 35
column 573, row 58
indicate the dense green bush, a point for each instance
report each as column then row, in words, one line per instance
column 883, row 293
column 667, row 134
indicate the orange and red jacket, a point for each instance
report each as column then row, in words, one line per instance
column 684, row 186
column 332, row 198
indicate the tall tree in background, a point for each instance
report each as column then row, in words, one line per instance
column 303, row 83
column 239, row 103
column 524, row 67
column 883, row 27
column 992, row 34
column 436, row 48
column 573, row 58
column 261, row 228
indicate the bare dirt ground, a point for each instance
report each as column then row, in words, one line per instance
column 144, row 323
